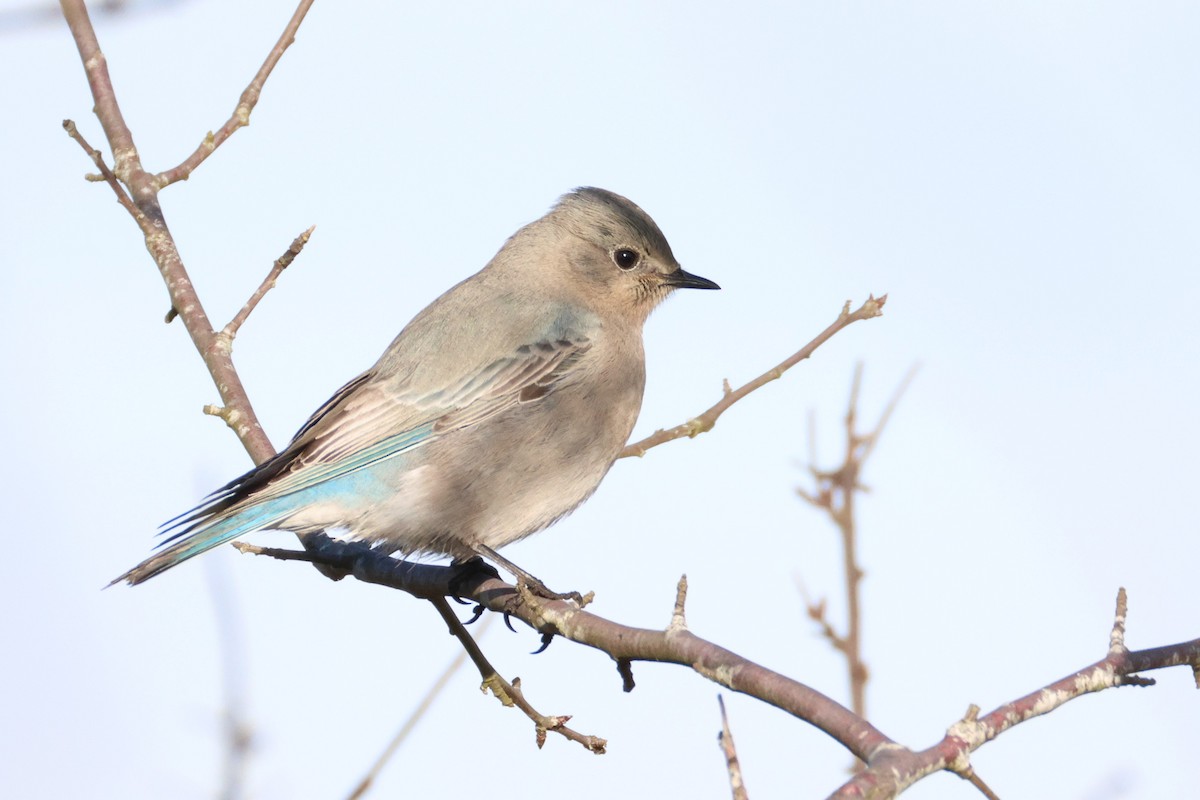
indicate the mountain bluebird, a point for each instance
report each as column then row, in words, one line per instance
column 495, row 412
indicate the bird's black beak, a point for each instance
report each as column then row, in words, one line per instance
column 686, row 280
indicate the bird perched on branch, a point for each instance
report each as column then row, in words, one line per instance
column 495, row 412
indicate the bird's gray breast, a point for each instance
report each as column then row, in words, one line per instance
column 535, row 462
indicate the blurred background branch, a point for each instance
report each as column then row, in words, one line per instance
column 835, row 492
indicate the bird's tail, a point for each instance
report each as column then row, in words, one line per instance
column 207, row 535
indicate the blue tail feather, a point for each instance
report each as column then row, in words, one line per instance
column 207, row 536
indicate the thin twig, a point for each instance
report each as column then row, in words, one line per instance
column 283, row 262
column 411, row 723
column 845, row 487
column 873, row 437
column 725, row 738
column 817, row 612
column 510, row 694
column 281, row 553
column 873, row 307
column 835, row 493
column 107, row 174
column 241, row 113
column 978, row 783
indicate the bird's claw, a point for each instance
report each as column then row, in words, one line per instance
column 539, row 589
column 547, row 638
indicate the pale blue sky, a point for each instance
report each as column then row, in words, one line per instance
column 1020, row 177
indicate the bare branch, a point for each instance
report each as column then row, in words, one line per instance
column 106, row 174
column 144, row 193
column 510, row 694
column 873, row 307
column 895, row 769
column 872, row 438
column 725, row 738
column 245, row 105
column 817, row 612
column 978, row 783
column 126, row 163
column 281, row 553
column 891, row 767
column 623, row 643
column 283, row 262
column 835, row 492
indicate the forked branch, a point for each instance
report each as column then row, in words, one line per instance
column 873, row 307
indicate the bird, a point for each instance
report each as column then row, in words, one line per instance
column 494, row 413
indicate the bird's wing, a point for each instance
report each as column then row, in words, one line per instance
column 363, row 421
column 368, row 421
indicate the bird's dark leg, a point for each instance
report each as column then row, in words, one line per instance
column 463, row 570
column 532, row 583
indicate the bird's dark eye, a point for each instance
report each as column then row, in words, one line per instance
column 625, row 258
